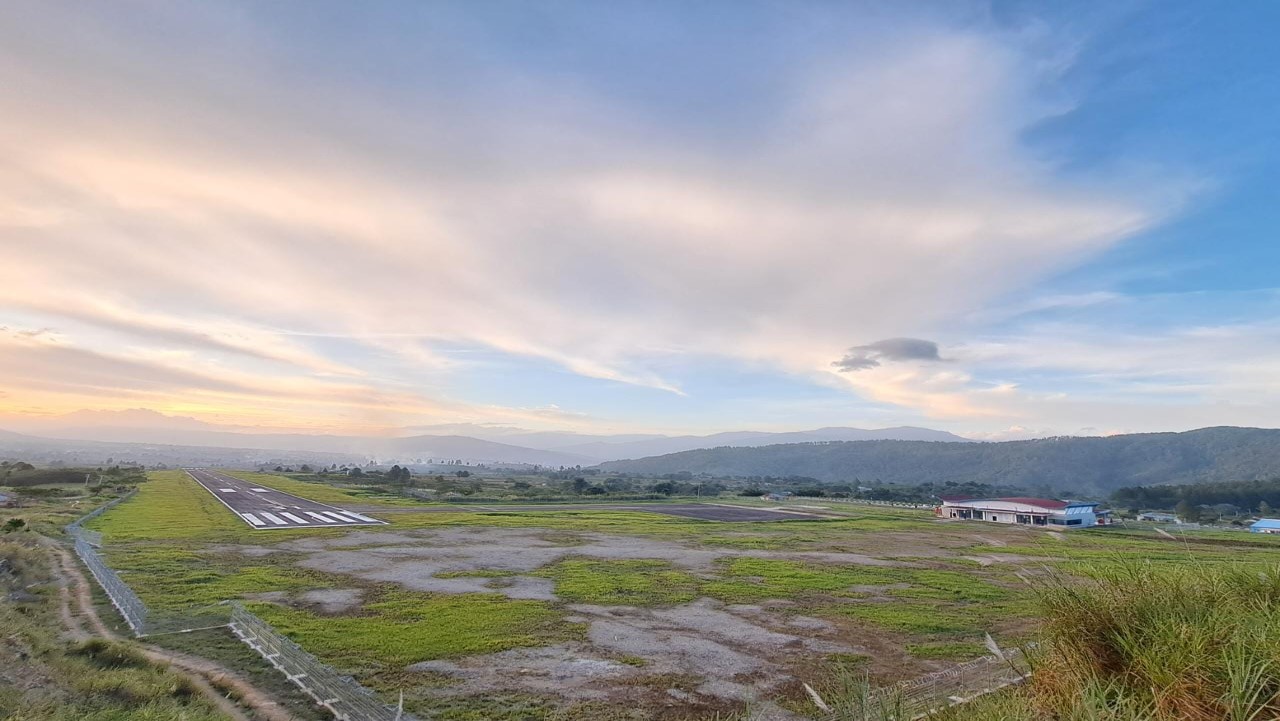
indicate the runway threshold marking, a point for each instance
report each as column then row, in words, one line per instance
column 294, row 518
column 252, row 519
column 275, row 519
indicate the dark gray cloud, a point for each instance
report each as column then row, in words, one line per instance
column 861, row 357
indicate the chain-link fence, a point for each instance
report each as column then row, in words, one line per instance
column 921, row 697
column 122, row 597
column 346, row 699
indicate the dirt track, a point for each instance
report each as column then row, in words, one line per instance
column 208, row 676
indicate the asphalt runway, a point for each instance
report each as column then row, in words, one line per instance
column 265, row 509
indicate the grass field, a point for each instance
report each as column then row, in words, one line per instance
column 565, row 613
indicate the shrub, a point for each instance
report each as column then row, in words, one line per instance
column 1175, row 643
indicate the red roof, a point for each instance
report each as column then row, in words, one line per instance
column 1024, row 500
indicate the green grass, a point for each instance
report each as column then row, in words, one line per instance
column 399, row 628
column 948, row 650
column 170, row 507
column 333, row 490
column 174, row 579
column 621, row 583
column 756, row 579
column 919, row 618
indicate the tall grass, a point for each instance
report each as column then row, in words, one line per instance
column 1136, row 641
column 1180, row 643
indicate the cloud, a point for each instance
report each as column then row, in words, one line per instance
column 242, row 197
column 861, row 357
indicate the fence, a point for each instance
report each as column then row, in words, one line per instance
column 921, row 697
column 346, row 699
column 342, row 695
column 122, row 597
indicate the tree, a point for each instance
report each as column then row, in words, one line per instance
column 580, row 485
column 596, row 491
column 1264, row 509
column 355, row 472
column 305, row 468
column 665, row 488
column 1187, row 512
column 462, row 474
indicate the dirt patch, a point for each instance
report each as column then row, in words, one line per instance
column 417, row 560
column 630, row 651
column 573, row 671
column 333, row 600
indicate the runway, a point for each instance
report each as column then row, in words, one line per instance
column 266, row 509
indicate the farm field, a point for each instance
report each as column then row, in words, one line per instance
column 600, row 614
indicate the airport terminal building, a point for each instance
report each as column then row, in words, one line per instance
column 1044, row 512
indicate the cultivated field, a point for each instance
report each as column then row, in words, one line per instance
column 606, row 614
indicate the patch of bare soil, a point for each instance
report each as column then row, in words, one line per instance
column 631, row 653
column 333, row 600
column 418, row 560
column 720, row 655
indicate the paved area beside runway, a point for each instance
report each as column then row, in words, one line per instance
column 266, row 508
column 700, row 511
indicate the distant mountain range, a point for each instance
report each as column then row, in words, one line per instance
column 466, row 442
column 1064, row 466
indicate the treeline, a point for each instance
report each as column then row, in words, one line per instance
column 20, row 474
column 1246, row 495
column 1077, row 467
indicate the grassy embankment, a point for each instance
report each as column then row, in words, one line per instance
column 44, row 677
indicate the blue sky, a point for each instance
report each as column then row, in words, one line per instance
column 626, row 217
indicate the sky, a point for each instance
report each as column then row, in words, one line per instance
column 1001, row 219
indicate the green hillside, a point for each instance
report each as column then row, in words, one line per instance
column 1095, row 465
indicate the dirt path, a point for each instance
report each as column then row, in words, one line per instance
column 208, row 676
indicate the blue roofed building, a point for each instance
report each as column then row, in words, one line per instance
column 1266, row 525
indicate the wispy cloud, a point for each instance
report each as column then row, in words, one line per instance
column 252, row 210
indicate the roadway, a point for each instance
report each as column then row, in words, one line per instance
column 266, row 508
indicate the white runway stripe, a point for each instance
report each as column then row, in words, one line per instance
column 336, row 517
column 227, row 490
column 363, row 518
column 317, row 516
column 251, row 519
column 295, row 519
column 275, row 519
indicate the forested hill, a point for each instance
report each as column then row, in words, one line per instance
column 1066, row 465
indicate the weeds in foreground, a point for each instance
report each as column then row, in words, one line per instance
column 1189, row 643
column 1136, row 642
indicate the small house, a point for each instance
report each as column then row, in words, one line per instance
column 1265, row 525
column 778, row 496
column 6, row 501
column 1158, row 517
